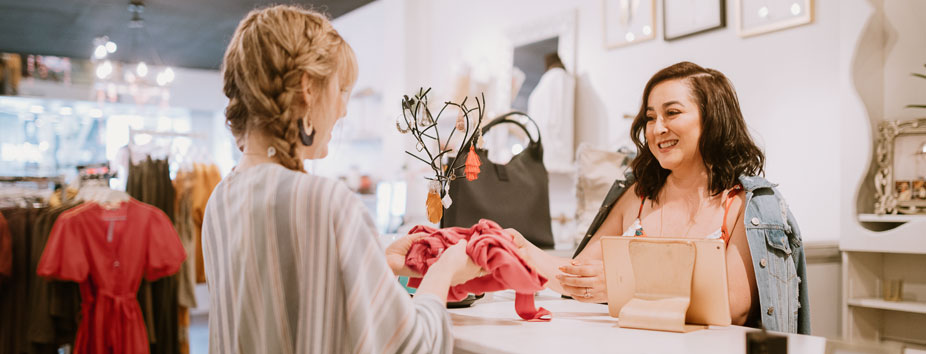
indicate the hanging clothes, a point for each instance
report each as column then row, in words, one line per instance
column 36, row 315
column 135, row 187
column 6, row 250
column 14, row 293
column 54, row 306
column 551, row 105
column 184, row 224
column 149, row 182
column 186, row 286
column 206, row 177
column 108, row 252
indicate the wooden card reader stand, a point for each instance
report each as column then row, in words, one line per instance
column 666, row 284
column 661, row 298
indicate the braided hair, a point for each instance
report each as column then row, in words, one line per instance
column 271, row 50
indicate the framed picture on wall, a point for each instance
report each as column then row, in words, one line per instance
column 754, row 17
column 683, row 18
column 900, row 178
column 628, row 21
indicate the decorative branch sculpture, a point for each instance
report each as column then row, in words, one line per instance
column 418, row 121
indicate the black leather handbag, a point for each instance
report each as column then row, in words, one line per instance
column 515, row 195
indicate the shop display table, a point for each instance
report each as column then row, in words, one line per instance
column 492, row 326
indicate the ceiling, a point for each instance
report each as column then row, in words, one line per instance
column 184, row 33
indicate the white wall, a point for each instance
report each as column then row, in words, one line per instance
column 905, row 52
column 788, row 83
column 877, row 86
column 798, row 88
column 197, row 89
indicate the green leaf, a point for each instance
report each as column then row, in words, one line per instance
column 923, row 106
column 919, row 75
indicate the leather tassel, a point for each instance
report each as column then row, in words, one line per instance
column 472, row 165
column 435, row 208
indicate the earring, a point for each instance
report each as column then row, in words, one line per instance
column 271, row 151
column 307, row 139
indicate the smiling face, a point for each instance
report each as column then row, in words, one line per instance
column 673, row 125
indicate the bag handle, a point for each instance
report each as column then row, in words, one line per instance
column 504, row 119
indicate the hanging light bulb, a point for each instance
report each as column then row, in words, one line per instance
column 111, row 47
column 165, row 77
column 141, row 69
column 100, row 52
column 169, row 74
column 104, row 69
column 162, row 79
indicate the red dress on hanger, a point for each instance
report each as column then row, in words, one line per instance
column 108, row 252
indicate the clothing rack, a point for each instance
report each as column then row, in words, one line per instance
column 40, row 182
column 14, row 179
column 133, row 132
column 33, row 196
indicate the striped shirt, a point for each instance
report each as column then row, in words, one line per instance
column 294, row 264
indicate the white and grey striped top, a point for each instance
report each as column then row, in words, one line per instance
column 294, row 265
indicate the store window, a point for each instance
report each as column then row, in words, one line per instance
column 44, row 137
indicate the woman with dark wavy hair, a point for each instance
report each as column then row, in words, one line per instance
column 697, row 175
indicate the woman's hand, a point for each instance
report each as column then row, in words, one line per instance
column 396, row 252
column 524, row 246
column 584, row 280
column 459, row 263
column 452, row 267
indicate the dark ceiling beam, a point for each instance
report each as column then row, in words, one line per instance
column 186, row 33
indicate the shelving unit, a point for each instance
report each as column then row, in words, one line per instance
column 890, row 218
column 899, row 234
column 871, row 259
column 902, row 306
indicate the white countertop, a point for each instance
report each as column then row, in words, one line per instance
column 492, row 326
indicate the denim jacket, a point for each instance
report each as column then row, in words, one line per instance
column 775, row 244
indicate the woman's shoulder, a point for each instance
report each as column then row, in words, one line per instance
column 754, row 183
column 329, row 189
column 768, row 203
column 301, row 186
column 761, row 188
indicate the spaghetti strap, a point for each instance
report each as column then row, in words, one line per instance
column 642, row 202
column 727, row 203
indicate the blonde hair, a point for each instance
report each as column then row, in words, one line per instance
column 271, row 50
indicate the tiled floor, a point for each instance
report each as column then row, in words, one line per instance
column 199, row 335
column 199, row 322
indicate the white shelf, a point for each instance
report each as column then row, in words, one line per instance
column 902, row 306
column 890, row 217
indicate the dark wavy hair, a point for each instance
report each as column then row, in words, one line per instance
column 726, row 146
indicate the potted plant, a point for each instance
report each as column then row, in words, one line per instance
column 918, row 105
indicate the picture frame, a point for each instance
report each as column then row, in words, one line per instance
column 685, row 18
column 628, row 22
column 902, row 194
column 755, row 17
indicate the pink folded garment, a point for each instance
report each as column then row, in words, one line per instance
column 493, row 249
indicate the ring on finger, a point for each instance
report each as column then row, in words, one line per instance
column 587, row 294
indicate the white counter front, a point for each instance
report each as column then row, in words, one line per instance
column 492, row 326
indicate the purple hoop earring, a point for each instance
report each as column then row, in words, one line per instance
column 307, row 139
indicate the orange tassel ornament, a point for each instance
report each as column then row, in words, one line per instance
column 472, row 165
column 435, row 209
column 433, row 204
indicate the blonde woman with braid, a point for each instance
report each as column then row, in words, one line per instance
column 293, row 261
